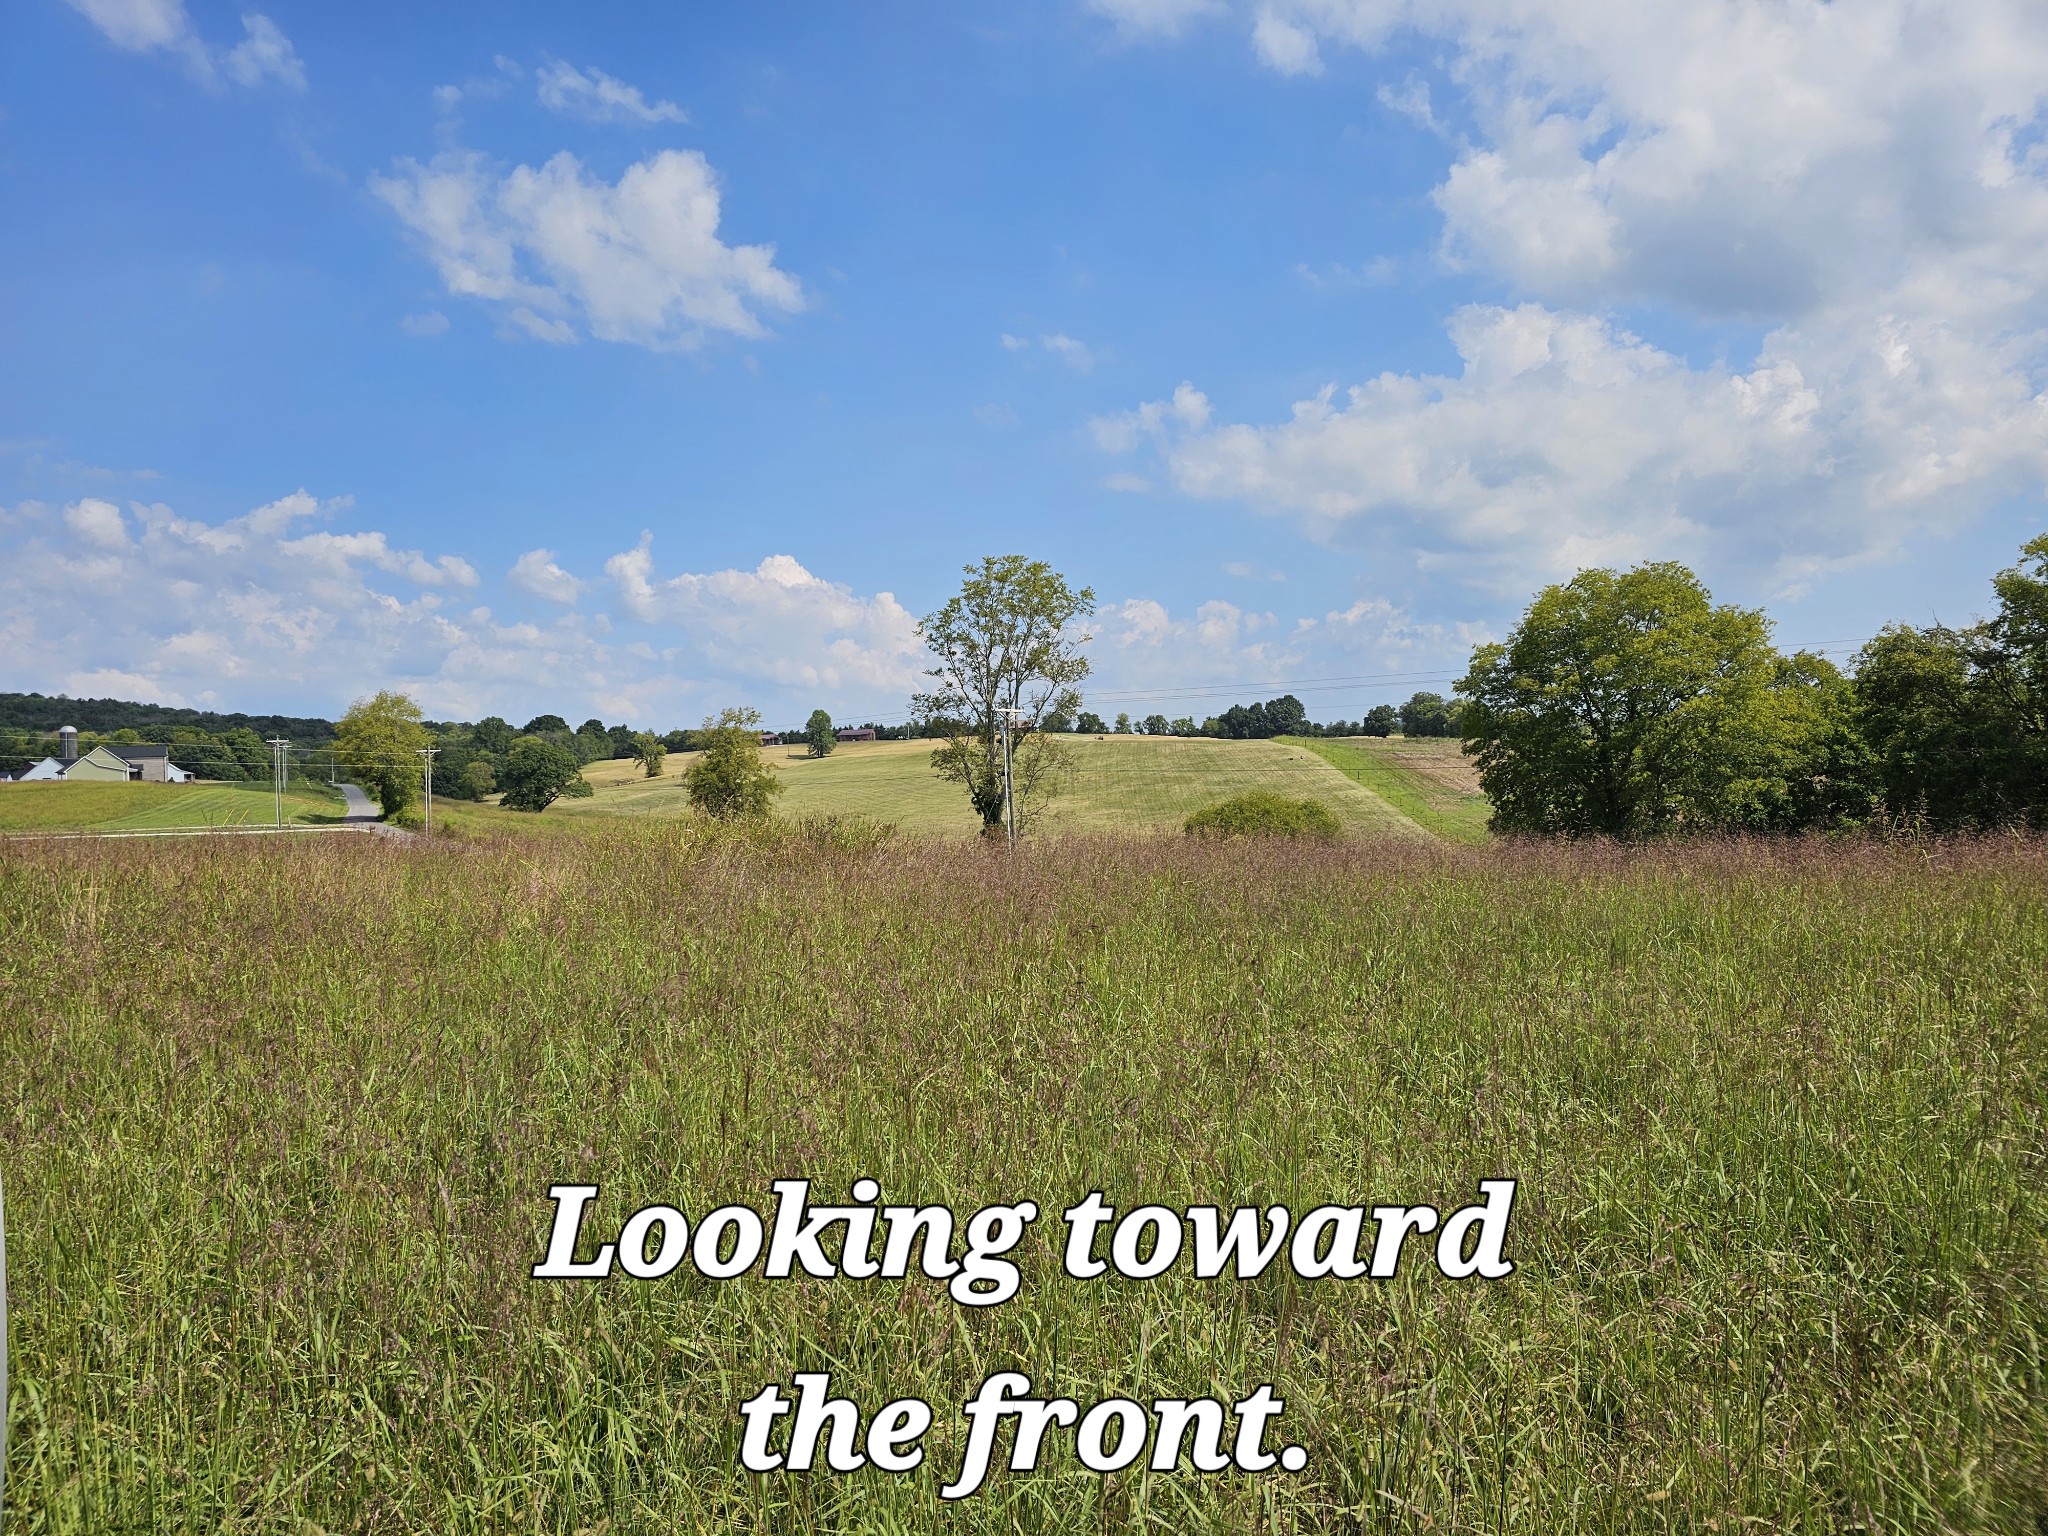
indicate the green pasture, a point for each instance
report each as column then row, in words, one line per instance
column 1128, row 784
column 1430, row 781
column 61, row 807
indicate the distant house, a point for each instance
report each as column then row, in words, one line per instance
column 105, row 764
column 854, row 733
column 771, row 738
column 152, row 765
column 98, row 766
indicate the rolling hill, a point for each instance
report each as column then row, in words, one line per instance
column 1121, row 784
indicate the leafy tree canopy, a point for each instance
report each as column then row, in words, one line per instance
column 1426, row 714
column 1256, row 722
column 1007, row 642
column 818, row 735
column 729, row 779
column 378, row 744
column 1956, row 720
column 650, row 752
column 537, row 773
column 1628, row 703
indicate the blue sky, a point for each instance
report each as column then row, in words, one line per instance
column 634, row 361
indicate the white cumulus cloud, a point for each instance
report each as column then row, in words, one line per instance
column 279, row 608
column 536, row 572
column 1866, row 185
column 559, row 253
column 97, row 523
column 778, row 623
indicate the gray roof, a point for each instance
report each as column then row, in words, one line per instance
column 129, row 752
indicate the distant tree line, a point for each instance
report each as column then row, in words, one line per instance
column 43, row 714
column 1425, row 714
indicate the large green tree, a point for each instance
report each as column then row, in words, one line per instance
column 1426, row 714
column 378, row 745
column 818, row 734
column 538, row 772
column 729, row 779
column 650, row 752
column 1008, row 641
column 1629, row 703
column 1956, row 720
column 491, row 734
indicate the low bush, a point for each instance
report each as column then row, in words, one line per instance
column 1261, row 813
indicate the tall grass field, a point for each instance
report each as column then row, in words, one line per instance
column 278, row 1122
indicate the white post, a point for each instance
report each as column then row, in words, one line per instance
column 427, row 784
column 277, row 750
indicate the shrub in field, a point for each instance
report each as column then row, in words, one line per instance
column 1261, row 813
column 729, row 780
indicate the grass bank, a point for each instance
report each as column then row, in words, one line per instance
column 277, row 1125
column 1429, row 781
column 86, row 807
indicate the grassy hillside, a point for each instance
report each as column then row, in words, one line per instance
column 1430, row 781
column 278, row 1132
column 1121, row 784
column 58, row 807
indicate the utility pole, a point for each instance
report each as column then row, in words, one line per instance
column 277, row 750
column 427, row 783
column 1004, row 713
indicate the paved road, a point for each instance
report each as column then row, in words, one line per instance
column 360, row 806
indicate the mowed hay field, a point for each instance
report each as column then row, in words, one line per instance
column 1428, row 780
column 277, row 1125
column 61, row 807
column 1120, row 784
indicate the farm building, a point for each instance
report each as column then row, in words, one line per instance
column 855, row 733
column 152, row 765
column 106, row 764
column 97, row 766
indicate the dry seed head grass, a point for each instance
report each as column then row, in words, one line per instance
column 277, row 1124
